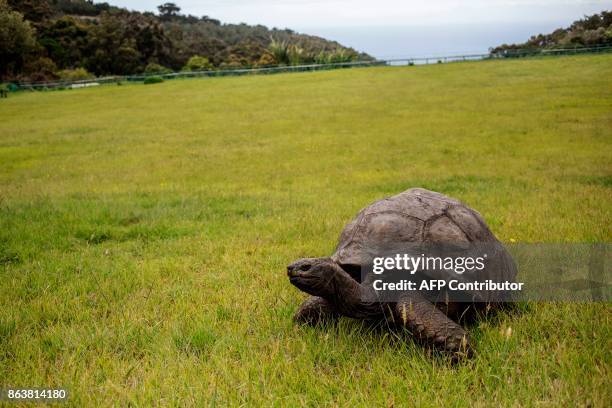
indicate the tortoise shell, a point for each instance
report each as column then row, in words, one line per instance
column 415, row 217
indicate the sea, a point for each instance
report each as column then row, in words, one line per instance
column 414, row 41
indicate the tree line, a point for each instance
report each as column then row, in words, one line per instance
column 42, row 40
column 590, row 31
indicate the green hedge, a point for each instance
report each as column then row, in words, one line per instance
column 153, row 80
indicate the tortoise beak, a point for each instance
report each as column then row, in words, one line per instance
column 293, row 271
column 290, row 271
column 296, row 268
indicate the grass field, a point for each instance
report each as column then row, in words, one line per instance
column 145, row 230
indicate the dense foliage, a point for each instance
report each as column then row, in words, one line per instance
column 590, row 31
column 153, row 80
column 41, row 38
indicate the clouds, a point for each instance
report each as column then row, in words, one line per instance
column 347, row 13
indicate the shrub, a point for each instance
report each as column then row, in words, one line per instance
column 333, row 57
column 198, row 63
column 284, row 53
column 340, row 56
column 231, row 64
column 153, row 69
column 279, row 51
column 296, row 55
column 153, row 80
column 40, row 69
column 266, row 59
column 77, row 74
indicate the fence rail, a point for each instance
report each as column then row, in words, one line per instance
column 518, row 53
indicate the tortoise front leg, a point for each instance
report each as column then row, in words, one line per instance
column 315, row 310
column 427, row 322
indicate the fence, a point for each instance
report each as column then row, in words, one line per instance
column 518, row 53
column 511, row 53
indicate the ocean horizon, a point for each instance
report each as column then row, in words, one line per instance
column 432, row 40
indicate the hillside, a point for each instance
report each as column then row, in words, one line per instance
column 44, row 37
column 590, row 31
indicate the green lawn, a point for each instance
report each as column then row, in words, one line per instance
column 145, row 230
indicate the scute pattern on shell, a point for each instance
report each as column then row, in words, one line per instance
column 413, row 216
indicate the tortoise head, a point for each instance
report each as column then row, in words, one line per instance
column 314, row 276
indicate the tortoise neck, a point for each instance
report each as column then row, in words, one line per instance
column 350, row 297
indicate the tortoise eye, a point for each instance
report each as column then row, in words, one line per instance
column 305, row 267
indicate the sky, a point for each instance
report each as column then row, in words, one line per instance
column 360, row 13
column 397, row 28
